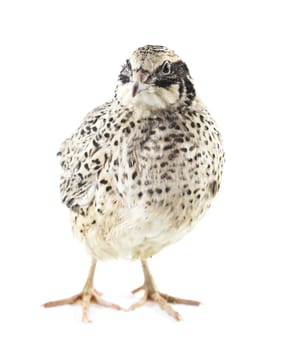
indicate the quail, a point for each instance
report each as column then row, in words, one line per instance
column 141, row 170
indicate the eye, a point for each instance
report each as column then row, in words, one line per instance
column 166, row 67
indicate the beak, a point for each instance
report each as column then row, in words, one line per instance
column 138, row 79
column 135, row 89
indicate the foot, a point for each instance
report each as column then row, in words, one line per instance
column 85, row 298
column 151, row 293
column 163, row 300
column 88, row 296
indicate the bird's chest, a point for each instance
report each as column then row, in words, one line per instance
column 151, row 163
column 161, row 172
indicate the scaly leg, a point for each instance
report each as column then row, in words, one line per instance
column 86, row 297
column 151, row 293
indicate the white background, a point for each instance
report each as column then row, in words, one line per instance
column 60, row 59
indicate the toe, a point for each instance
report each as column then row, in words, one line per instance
column 165, row 306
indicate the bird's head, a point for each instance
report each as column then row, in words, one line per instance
column 155, row 77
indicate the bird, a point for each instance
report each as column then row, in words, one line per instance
column 140, row 171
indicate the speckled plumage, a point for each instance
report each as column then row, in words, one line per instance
column 141, row 170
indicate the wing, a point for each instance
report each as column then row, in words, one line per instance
column 83, row 155
column 204, row 145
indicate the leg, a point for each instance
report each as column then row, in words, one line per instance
column 85, row 298
column 151, row 293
